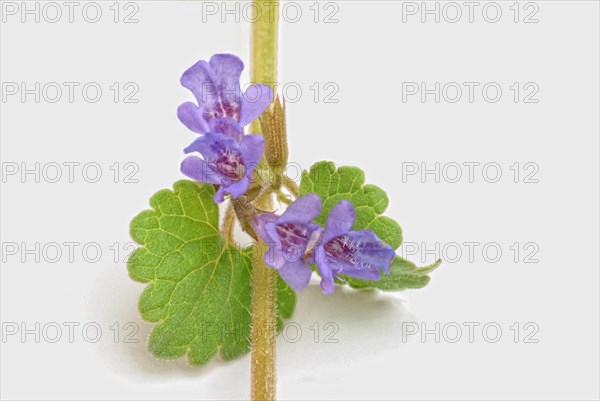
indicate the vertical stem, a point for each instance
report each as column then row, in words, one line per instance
column 264, row 320
column 263, row 67
column 264, row 279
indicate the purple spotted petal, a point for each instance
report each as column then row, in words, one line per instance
column 251, row 149
column 278, row 253
column 302, row 209
column 296, row 274
column 284, row 249
column 216, row 87
column 338, row 266
column 231, row 163
column 212, row 145
column 359, row 254
column 216, row 84
column 191, row 116
column 255, row 101
column 289, row 236
column 340, row 220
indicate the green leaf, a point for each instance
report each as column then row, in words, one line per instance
column 403, row 275
column 334, row 184
column 199, row 288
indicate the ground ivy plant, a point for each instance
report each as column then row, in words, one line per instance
column 211, row 295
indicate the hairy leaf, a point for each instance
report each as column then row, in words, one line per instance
column 403, row 275
column 199, row 288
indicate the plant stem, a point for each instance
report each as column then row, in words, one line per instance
column 264, row 320
column 263, row 69
column 264, row 279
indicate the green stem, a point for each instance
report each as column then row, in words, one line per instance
column 264, row 279
column 264, row 47
column 264, row 320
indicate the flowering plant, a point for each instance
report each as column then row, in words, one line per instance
column 201, row 282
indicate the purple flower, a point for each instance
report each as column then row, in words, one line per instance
column 359, row 254
column 225, row 162
column 221, row 105
column 289, row 236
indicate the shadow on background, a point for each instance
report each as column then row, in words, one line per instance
column 324, row 330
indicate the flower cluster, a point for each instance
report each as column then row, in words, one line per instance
column 295, row 242
column 229, row 159
column 222, row 111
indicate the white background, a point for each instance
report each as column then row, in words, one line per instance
column 367, row 55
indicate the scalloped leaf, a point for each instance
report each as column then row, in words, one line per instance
column 199, row 288
column 334, row 184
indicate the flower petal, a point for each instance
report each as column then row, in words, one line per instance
column 227, row 69
column 227, row 126
column 210, row 143
column 302, row 210
column 271, row 229
column 313, row 239
column 216, row 85
column 327, row 285
column 325, row 269
column 235, row 189
column 251, row 148
column 274, row 257
column 200, row 80
column 340, row 220
column 365, row 274
column 219, row 195
column 201, row 146
column 260, row 223
column 255, row 101
column 199, row 170
column 191, row 116
column 296, row 274
column 373, row 251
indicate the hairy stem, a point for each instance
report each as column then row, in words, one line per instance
column 263, row 69
column 264, row 321
column 264, row 279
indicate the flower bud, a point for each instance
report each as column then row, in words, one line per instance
column 273, row 127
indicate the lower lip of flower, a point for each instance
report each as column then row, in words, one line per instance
column 294, row 238
column 233, row 110
column 230, row 165
column 216, row 112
